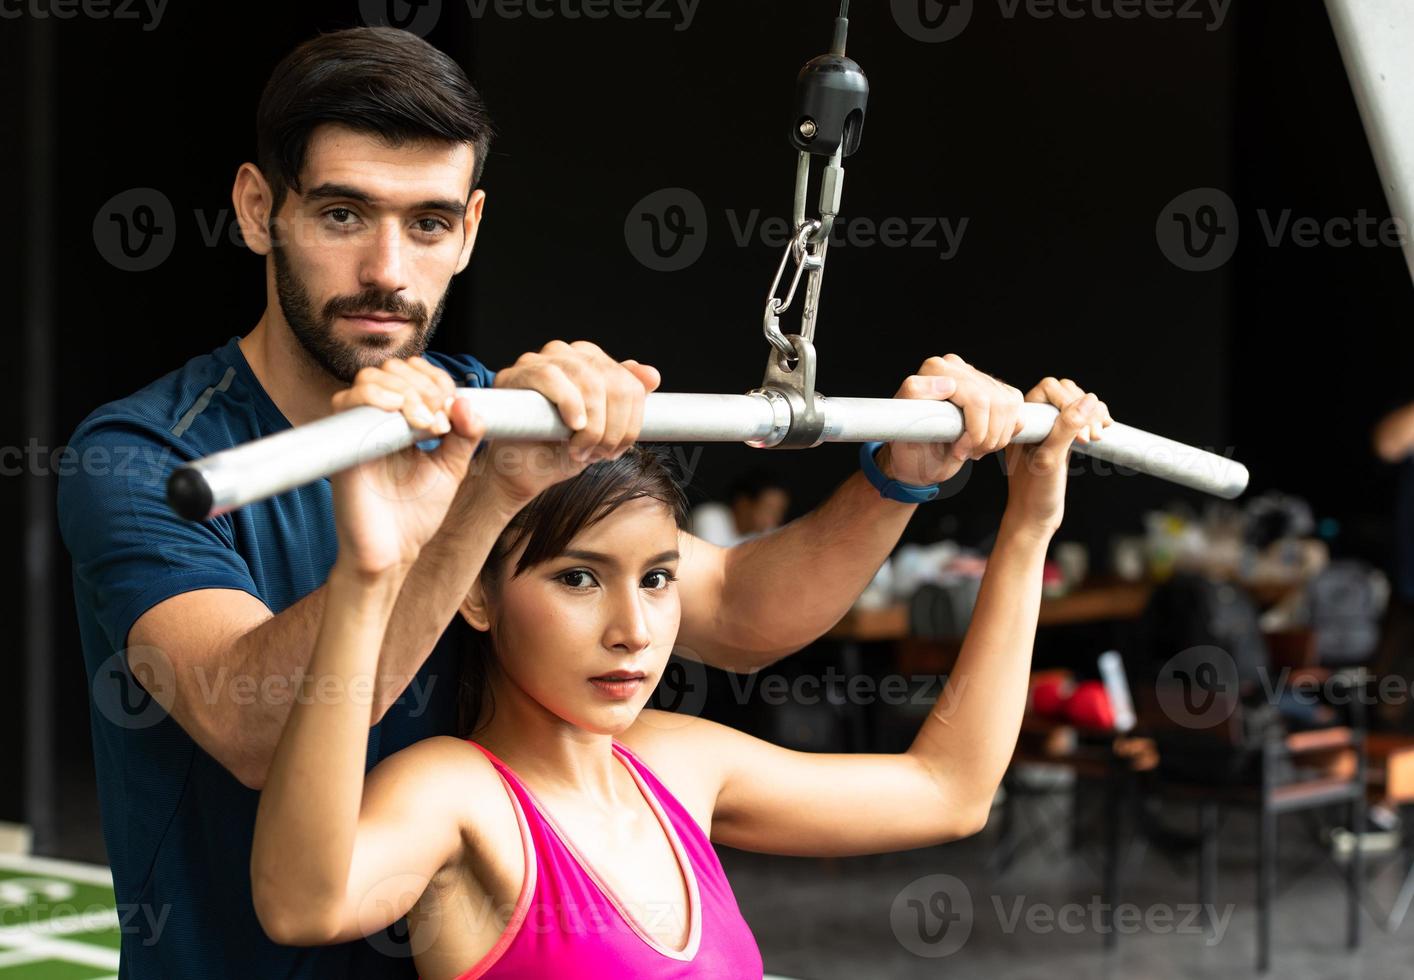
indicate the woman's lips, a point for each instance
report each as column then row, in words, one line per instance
column 617, row 686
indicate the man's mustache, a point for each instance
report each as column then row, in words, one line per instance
column 367, row 303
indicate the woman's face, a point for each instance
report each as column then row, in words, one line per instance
column 587, row 634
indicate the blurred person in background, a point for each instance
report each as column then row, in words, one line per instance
column 757, row 503
column 1393, row 440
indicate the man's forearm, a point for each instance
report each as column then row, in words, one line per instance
column 243, row 727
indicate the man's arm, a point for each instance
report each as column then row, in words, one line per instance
column 234, row 667
column 1393, row 437
column 745, row 607
column 210, row 638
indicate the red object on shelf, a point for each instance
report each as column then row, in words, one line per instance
column 1089, row 707
column 1049, row 695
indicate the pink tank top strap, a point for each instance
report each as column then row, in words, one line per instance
column 568, row 922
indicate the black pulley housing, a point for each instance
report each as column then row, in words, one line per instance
column 831, row 94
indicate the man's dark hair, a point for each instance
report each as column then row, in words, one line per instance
column 377, row 80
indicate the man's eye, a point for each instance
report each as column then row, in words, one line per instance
column 433, row 226
column 340, row 216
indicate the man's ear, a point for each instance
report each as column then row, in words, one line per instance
column 252, row 199
column 471, row 223
column 473, row 608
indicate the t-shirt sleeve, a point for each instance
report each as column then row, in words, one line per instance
column 465, row 370
column 129, row 550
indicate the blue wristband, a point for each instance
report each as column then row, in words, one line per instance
column 904, row 493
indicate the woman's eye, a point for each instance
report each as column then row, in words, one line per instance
column 577, row 579
column 661, row 577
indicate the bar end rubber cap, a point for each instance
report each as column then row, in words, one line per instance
column 189, row 494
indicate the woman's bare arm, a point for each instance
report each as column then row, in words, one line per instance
column 334, row 859
column 767, row 798
column 780, row 801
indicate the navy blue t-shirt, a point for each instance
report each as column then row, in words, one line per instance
column 178, row 827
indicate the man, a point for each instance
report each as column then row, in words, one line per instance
column 1393, row 441
column 365, row 204
column 756, row 503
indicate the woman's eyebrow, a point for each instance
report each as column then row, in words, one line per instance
column 612, row 562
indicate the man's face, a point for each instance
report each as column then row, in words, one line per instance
column 365, row 254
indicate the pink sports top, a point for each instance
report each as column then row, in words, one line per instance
column 569, row 924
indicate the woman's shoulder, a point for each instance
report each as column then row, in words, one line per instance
column 433, row 766
column 452, row 778
column 685, row 752
column 672, row 734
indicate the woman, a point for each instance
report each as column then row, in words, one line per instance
column 570, row 835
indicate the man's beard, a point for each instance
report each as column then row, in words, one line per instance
column 315, row 332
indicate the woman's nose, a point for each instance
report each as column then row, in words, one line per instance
column 628, row 630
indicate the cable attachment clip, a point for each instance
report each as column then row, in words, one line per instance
column 828, row 121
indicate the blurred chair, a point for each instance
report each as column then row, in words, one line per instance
column 1107, row 759
column 1242, row 756
column 1391, row 783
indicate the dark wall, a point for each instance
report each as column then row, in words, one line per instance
column 1322, row 344
column 12, row 308
column 1059, row 142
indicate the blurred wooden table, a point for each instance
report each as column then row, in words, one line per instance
column 1088, row 604
column 1094, row 603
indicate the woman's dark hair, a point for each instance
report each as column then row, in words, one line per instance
column 547, row 525
column 377, row 80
